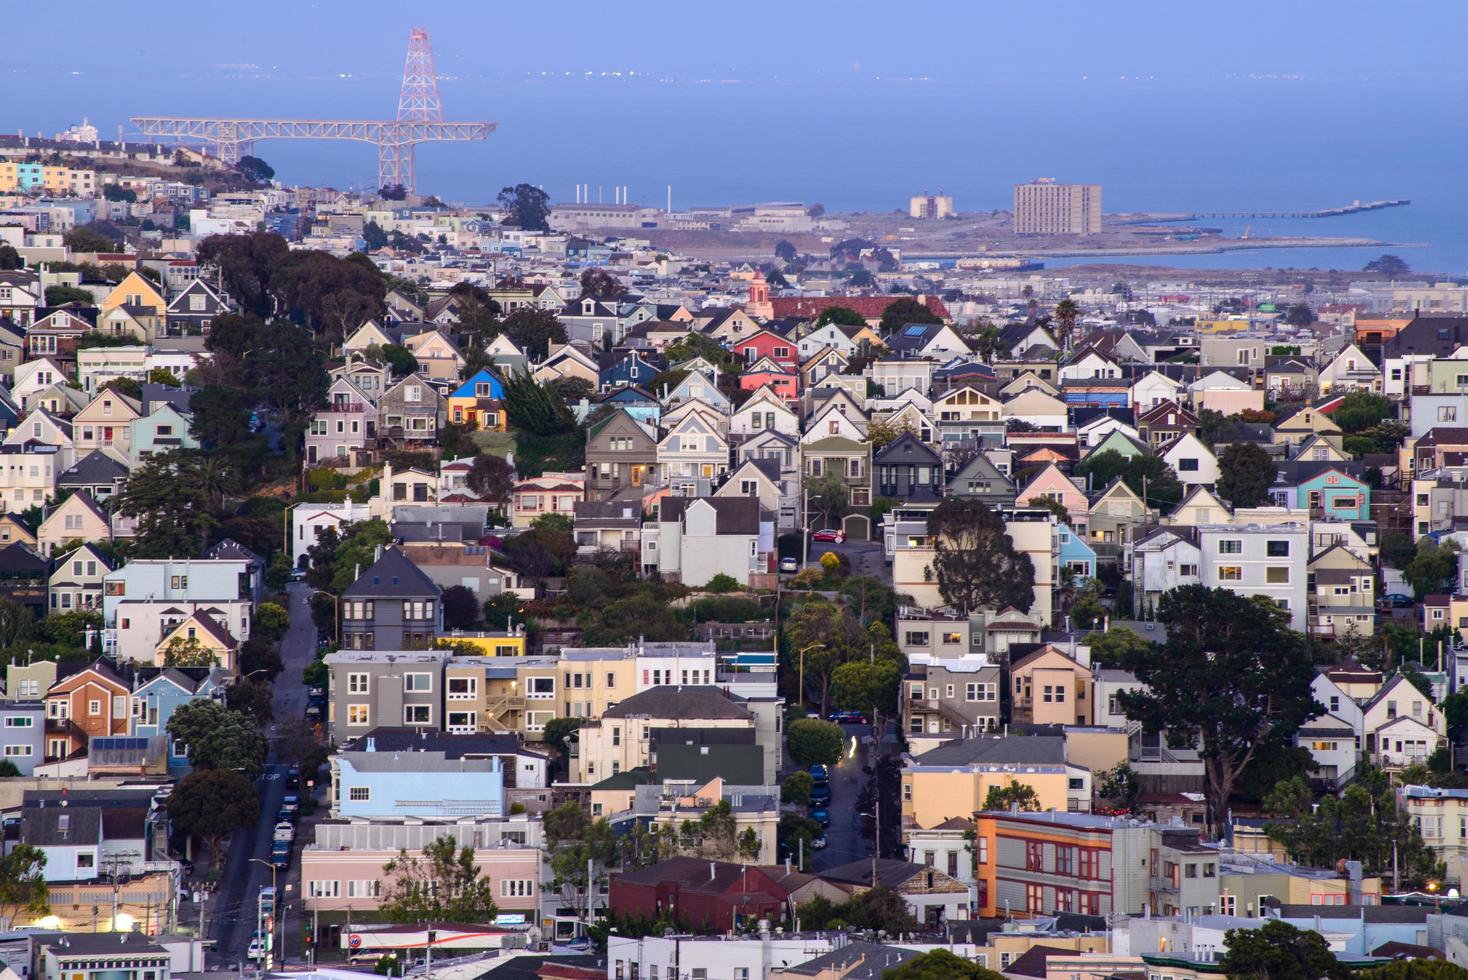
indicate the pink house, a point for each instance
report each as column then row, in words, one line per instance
column 337, row 880
column 1051, row 484
column 785, row 384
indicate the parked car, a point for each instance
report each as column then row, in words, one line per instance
column 789, row 564
column 848, row 717
column 821, row 815
column 285, row 832
column 256, row 950
column 291, row 804
column 1396, row 600
column 818, row 843
column 819, row 773
column 829, row 534
column 293, row 778
column 821, row 793
column 267, row 899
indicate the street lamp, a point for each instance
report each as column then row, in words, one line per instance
column 801, row 692
column 275, row 908
column 336, row 628
column 876, row 815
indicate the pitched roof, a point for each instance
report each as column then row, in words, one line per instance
column 680, row 701
column 868, row 307
column 1026, row 749
column 734, row 515
column 393, row 575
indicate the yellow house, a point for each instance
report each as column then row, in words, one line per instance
column 201, row 630
column 491, row 643
column 1050, row 688
column 1221, row 326
column 136, row 289
column 9, row 177
column 1442, row 815
column 954, row 779
column 1240, row 887
column 76, row 520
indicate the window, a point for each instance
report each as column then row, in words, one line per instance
column 358, row 683
column 1230, row 546
column 94, row 707
column 14, row 721
column 86, row 860
column 1277, row 575
column 1188, row 465
column 417, row 682
column 1034, row 856
column 1090, row 863
column 417, row 714
column 363, row 888
column 1277, row 549
column 1230, row 573
column 357, row 714
column 463, row 688
column 319, row 888
column 517, row 888
column 359, row 794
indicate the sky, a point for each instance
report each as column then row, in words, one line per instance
column 1008, row 41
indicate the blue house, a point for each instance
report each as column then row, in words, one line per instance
column 409, row 784
column 1076, row 555
column 639, row 403
column 484, row 384
column 1327, row 489
column 161, row 691
column 634, row 369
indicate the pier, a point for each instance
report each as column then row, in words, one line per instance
column 1355, row 207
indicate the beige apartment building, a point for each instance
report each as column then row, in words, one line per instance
column 1043, row 207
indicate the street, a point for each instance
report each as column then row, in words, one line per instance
column 845, row 839
column 232, row 909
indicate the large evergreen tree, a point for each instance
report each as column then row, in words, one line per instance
column 975, row 562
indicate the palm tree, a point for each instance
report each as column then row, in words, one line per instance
column 1066, row 312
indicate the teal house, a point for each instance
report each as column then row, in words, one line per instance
column 1330, row 492
column 162, row 430
column 1076, row 556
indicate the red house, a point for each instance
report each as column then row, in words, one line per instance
column 783, row 383
column 706, row 896
column 767, row 343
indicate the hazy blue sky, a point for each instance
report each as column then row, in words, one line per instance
column 960, row 38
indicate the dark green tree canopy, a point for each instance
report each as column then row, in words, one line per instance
column 904, row 311
column 1245, row 474
column 975, row 562
column 1230, row 674
column 1148, row 476
column 1279, row 951
column 526, row 207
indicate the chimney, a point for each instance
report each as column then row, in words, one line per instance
column 371, row 744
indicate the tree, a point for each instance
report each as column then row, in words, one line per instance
column 256, row 169
column 600, row 283
column 1279, row 951
column 10, row 259
column 786, row 251
column 795, row 789
column 328, row 295
column 901, row 312
column 1245, row 474
column 1016, row 794
column 940, row 964
column 526, row 206
column 250, row 698
column 827, row 635
column 1066, row 314
column 579, row 850
column 441, row 884
column 212, row 803
column 867, row 685
column 814, row 742
column 373, row 236
column 61, row 295
column 492, row 479
column 1361, row 410
column 187, row 652
column 23, row 888
column 86, row 238
column 8, row 769
column 1390, row 266
column 460, row 608
column 1299, row 315
column 392, row 192
column 828, row 497
column 1421, row 969
column 244, row 264
column 534, row 330
column 1230, row 675
column 1112, row 648
column 974, row 560
column 1146, row 475
column 843, row 316
column 217, row 738
column 557, row 730
column 1119, row 786
column 175, row 512
column 1433, row 569
column 882, row 433
column 988, row 342
column 1364, row 823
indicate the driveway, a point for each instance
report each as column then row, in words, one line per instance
column 232, row 910
column 865, row 557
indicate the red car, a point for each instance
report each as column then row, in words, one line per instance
column 829, row 535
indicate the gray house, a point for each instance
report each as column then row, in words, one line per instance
column 393, row 605
column 22, row 734
column 979, row 479
column 367, row 689
column 411, row 413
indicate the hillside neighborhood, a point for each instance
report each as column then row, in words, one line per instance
column 380, row 577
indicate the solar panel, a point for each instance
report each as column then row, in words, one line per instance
column 916, row 330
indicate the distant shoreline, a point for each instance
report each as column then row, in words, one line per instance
column 1189, row 248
